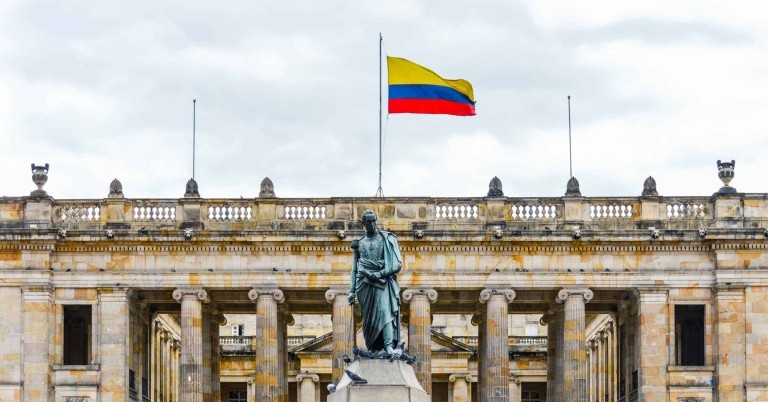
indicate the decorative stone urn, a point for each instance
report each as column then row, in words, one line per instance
column 725, row 171
column 39, row 177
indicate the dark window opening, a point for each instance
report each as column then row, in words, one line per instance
column 77, row 334
column 238, row 396
column 689, row 335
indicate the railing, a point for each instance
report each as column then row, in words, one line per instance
column 245, row 344
column 148, row 211
column 467, row 340
column 230, row 212
column 296, row 341
column 535, row 211
column 528, row 340
column 396, row 213
column 76, row 212
column 516, row 343
column 236, row 344
column 456, row 212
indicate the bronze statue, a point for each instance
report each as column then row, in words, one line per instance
column 375, row 265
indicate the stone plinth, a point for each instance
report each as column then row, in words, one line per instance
column 393, row 381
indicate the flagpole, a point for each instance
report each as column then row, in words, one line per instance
column 380, row 191
column 194, row 103
column 570, row 154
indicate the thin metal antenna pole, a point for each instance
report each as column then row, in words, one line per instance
column 194, row 104
column 380, row 191
column 570, row 154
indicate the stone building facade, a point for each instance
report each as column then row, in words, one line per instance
column 645, row 298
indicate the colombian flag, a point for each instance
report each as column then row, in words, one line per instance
column 417, row 89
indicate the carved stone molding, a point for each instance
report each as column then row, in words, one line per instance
column 486, row 294
column 460, row 376
column 312, row 376
column 77, row 399
column 564, row 294
column 410, row 293
column 201, row 294
column 255, row 293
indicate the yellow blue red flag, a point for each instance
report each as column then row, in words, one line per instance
column 417, row 89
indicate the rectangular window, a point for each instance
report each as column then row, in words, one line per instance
column 531, row 329
column 77, row 334
column 238, row 330
column 689, row 334
column 530, row 396
column 238, row 396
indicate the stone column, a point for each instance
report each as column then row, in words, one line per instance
column 249, row 392
column 205, row 339
column 591, row 383
column 548, row 319
column 611, row 364
column 306, row 386
column 730, row 342
column 515, row 393
column 155, row 361
column 175, row 371
column 343, row 331
column 460, row 385
column 268, row 376
column 217, row 320
column 477, row 320
column 284, row 320
column 420, row 333
column 37, row 342
column 574, row 370
column 600, row 366
column 191, row 387
column 652, row 347
column 164, row 338
column 495, row 348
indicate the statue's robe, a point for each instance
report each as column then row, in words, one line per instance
column 380, row 298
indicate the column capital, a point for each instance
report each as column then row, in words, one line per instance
column 565, row 293
column 549, row 315
column 332, row 293
column 311, row 376
column 410, row 293
column 514, row 378
column 250, row 380
column 255, row 293
column 216, row 315
column 486, row 294
column 200, row 293
column 460, row 376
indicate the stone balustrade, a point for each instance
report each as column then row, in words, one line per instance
column 514, row 216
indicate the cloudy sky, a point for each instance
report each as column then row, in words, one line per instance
column 289, row 90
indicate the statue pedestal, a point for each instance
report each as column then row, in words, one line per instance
column 393, row 382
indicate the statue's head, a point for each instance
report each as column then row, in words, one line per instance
column 368, row 219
